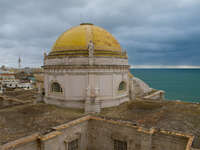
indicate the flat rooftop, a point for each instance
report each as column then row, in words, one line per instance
column 24, row 120
column 167, row 115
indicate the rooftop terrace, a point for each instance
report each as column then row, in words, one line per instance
column 24, row 120
column 167, row 115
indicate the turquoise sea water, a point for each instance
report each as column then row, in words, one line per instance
column 179, row 84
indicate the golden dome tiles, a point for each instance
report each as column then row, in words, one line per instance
column 74, row 42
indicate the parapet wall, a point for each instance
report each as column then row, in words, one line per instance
column 158, row 95
column 9, row 102
column 96, row 133
column 102, row 134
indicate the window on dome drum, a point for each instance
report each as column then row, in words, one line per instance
column 55, row 87
column 43, row 92
column 122, row 86
column 73, row 145
column 120, row 145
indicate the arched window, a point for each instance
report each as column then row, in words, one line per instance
column 55, row 87
column 43, row 92
column 122, row 86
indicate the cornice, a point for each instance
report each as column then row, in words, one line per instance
column 46, row 67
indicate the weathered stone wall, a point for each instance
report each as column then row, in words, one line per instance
column 30, row 142
column 168, row 142
column 81, row 81
column 102, row 135
column 60, row 139
column 55, row 140
column 75, row 84
column 84, row 61
column 28, row 146
column 94, row 133
column 79, row 131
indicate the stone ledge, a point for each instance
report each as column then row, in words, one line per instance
column 71, row 123
column 50, row 135
column 84, row 67
column 190, row 137
column 20, row 141
column 158, row 95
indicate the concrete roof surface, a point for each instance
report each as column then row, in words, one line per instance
column 24, row 120
column 167, row 115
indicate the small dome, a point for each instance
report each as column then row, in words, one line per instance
column 74, row 42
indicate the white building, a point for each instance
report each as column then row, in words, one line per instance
column 8, row 80
column 11, row 83
column 6, row 75
column 86, row 68
column 26, row 86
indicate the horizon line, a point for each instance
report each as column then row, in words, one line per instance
column 164, row 67
column 137, row 67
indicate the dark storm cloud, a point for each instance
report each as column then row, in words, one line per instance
column 153, row 32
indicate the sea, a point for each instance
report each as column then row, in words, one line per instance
column 179, row 84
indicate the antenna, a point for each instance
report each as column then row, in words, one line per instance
column 19, row 62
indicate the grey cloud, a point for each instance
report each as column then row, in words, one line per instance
column 153, row 32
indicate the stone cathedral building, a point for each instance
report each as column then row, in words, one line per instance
column 85, row 74
column 86, row 68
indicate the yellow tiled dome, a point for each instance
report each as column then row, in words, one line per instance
column 74, row 42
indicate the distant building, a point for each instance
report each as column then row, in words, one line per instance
column 6, row 75
column 26, row 85
column 8, row 80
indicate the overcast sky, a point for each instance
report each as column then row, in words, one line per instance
column 154, row 32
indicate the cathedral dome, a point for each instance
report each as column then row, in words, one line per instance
column 74, row 42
